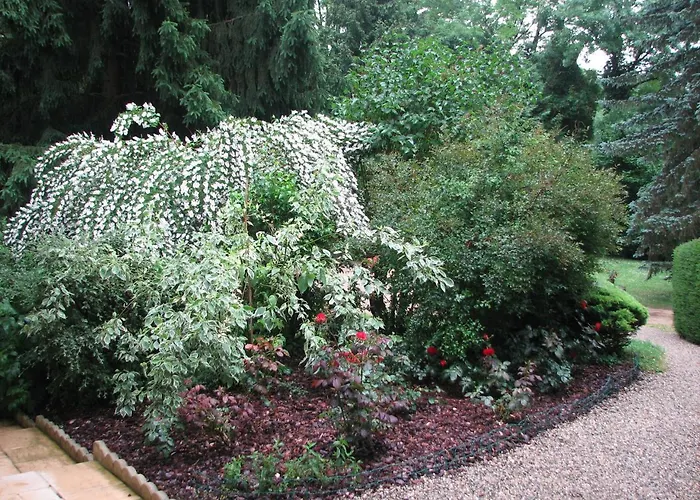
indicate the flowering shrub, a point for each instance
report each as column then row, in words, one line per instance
column 89, row 186
column 228, row 285
column 177, row 284
column 364, row 393
column 488, row 351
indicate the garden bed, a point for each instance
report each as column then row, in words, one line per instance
column 443, row 432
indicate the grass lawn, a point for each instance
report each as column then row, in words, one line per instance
column 652, row 358
column 632, row 277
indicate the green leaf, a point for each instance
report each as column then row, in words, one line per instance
column 302, row 283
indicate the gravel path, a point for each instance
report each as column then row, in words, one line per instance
column 642, row 444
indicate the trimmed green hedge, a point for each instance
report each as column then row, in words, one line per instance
column 619, row 313
column 686, row 290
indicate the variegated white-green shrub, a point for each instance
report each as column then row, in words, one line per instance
column 193, row 279
column 89, row 186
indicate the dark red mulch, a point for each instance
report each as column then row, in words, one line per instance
column 197, row 464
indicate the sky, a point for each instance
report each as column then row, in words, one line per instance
column 595, row 60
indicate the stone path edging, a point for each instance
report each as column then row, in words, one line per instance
column 24, row 420
column 67, row 444
column 100, row 453
column 118, row 466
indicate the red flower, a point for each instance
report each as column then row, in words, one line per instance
column 361, row 336
column 598, row 326
column 372, row 261
column 488, row 351
column 320, row 318
column 432, row 350
column 486, row 337
column 350, row 357
column 584, row 305
column 443, row 363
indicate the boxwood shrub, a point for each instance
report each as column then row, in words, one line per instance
column 615, row 314
column 686, row 290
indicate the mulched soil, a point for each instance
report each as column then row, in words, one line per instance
column 292, row 416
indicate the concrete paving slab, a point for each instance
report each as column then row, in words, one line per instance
column 76, row 480
column 30, row 449
column 7, row 468
column 22, row 483
column 43, row 494
column 33, row 467
column 11, row 438
column 101, row 494
column 44, row 463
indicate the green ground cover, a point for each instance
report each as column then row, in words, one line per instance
column 652, row 358
column 632, row 277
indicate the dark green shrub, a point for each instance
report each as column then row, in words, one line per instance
column 519, row 219
column 686, row 290
column 19, row 293
column 14, row 389
column 615, row 315
column 16, row 176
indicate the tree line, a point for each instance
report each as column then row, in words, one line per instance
column 68, row 66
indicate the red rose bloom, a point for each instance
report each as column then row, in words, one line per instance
column 320, row 318
column 598, row 326
column 361, row 336
column 584, row 305
column 432, row 350
column 443, row 363
column 488, row 351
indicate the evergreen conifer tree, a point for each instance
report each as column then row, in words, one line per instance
column 667, row 212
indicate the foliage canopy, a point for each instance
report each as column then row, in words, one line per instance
column 417, row 91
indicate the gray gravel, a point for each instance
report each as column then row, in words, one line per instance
column 642, row 444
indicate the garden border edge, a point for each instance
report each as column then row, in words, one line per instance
column 472, row 450
column 100, row 453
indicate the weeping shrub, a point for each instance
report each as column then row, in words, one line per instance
column 89, row 186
